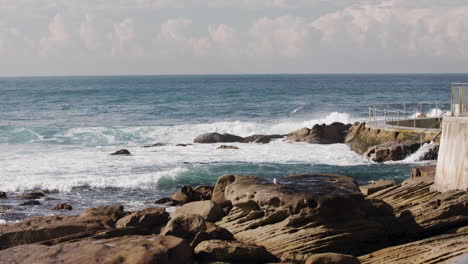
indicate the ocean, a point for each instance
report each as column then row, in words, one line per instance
column 57, row 133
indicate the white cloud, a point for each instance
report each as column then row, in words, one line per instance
column 13, row 43
column 283, row 36
column 393, row 27
column 89, row 34
column 124, row 39
column 56, row 39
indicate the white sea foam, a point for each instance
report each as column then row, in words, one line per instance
column 85, row 159
column 2, row 221
column 433, row 112
column 186, row 133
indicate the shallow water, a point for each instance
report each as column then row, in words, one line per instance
column 56, row 132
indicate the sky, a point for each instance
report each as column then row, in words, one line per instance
column 131, row 37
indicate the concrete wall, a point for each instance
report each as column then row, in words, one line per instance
column 419, row 123
column 452, row 164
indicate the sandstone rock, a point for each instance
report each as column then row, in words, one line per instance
column 376, row 186
column 205, row 191
column 438, row 249
column 423, row 211
column 166, row 200
column 332, row 258
column 29, row 203
column 227, row 147
column 3, row 195
column 112, row 212
column 61, row 206
column 217, row 138
column 207, row 209
column 232, row 251
column 321, row 134
column 185, row 226
column 188, row 194
column 149, row 218
column 262, row 139
column 37, row 229
column 122, row 152
column 212, row 232
column 122, row 250
column 310, row 213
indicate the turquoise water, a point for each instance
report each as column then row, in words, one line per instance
column 57, row 132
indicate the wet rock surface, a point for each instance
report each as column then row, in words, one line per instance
column 122, row 152
column 320, row 134
column 217, row 138
column 61, row 206
column 227, row 147
column 149, row 218
column 384, row 145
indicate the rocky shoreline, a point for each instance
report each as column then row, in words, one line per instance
column 374, row 144
column 307, row 218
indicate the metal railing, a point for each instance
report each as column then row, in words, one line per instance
column 407, row 114
column 459, row 105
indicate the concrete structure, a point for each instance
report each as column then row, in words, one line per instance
column 452, row 164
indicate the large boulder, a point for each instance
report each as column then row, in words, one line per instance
column 37, row 229
column 232, row 251
column 307, row 213
column 149, row 218
column 120, row 250
column 320, row 134
column 185, row 226
column 207, row 209
column 217, row 138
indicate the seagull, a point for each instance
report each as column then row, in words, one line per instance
column 275, row 181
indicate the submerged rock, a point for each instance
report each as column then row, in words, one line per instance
column 262, row 139
column 227, row 147
column 320, row 134
column 61, row 206
column 122, row 250
column 217, row 138
column 122, row 152
column 29, row 203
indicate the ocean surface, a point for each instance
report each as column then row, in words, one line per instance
column 57, row 133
